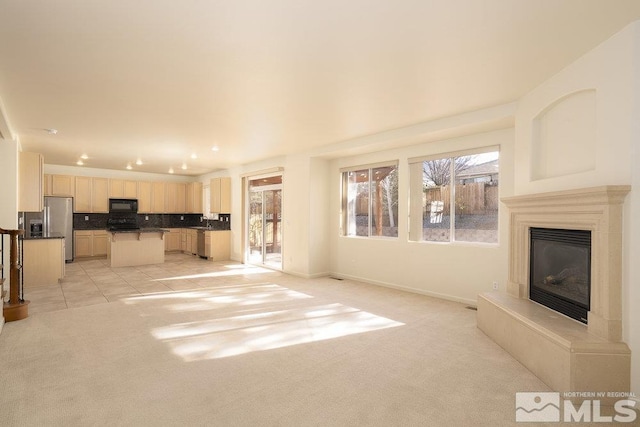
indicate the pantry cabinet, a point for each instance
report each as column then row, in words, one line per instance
column 30, row 182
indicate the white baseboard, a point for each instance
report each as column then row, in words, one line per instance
column 471, row 302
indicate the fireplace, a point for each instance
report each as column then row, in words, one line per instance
column 560, row 270
column 576, row 255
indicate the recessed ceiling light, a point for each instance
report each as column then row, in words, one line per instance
column 215, row 148
column 84, row 157
column 184, row 166
column 129, row 166
column 138, row 162
column 79, row 163
column 170, row 170
column 194, row 156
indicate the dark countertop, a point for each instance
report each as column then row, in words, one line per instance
column 141, row 230
column 43, row 237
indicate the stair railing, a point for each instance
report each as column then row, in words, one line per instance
column 16, row 308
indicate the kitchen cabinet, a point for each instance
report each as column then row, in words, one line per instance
column 100, row 241
column 220, row 199
column 30, row 182
column 191, row 241
column 62, row 185
column 194, row 198
column 123, row 189
column 100, row 195
column 157, row 197
column 82, row 243
column 175, row 197
column 217, row 245
column 183, row 239
column 43, row 262
column 91, row 195
column 82, row 199
column 90, row 243
column 172, row 240
column 144, row 197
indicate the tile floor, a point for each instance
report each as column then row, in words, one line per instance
column 89, row 282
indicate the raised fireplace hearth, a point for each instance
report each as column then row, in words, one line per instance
column 568, row 354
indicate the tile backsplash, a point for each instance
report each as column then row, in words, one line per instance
column 98, row 221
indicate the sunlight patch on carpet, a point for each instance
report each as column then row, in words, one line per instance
column 259, row 321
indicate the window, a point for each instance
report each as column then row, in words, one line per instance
column 455, row 197
column 370, row 201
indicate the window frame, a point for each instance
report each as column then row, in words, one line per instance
column 415, row 222
column 344, row 202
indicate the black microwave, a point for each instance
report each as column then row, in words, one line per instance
column 123, row 205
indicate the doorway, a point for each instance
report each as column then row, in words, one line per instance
column 264, row 222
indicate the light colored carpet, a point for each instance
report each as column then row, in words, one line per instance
column 261, row 349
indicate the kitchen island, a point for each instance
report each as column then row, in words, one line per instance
column 136, row 247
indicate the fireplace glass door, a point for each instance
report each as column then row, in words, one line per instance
column 560, row 270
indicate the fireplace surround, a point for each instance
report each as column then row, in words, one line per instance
column 564, row 353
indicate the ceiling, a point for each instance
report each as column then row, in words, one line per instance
column 162, row 80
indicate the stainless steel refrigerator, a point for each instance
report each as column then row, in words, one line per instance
column 56, row 220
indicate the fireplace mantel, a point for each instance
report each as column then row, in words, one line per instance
column 598, row 210
column 566, row 354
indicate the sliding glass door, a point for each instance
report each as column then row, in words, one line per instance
column 264, row 222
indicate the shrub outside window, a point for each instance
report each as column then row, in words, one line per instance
column 455, row 197
column 370, row 201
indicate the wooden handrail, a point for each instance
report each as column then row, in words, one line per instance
column 15, row 309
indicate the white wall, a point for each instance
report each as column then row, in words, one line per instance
column 8, row 198
column 612, row 70
column 117, row 174
column 424, row 267
column 631, row 249
column 304, row 184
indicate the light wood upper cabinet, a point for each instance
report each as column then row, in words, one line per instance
column 63, row 185
column 157, row 197
column 100, row 195
column 116, row 188
column 123, row 189
column 30, row 182
column 130, row 189
column 144, row 197
column 220, row 189
column 47, row 185
column 175, row 197
column 194, row 198
column 91, row 195
column 82, row 199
